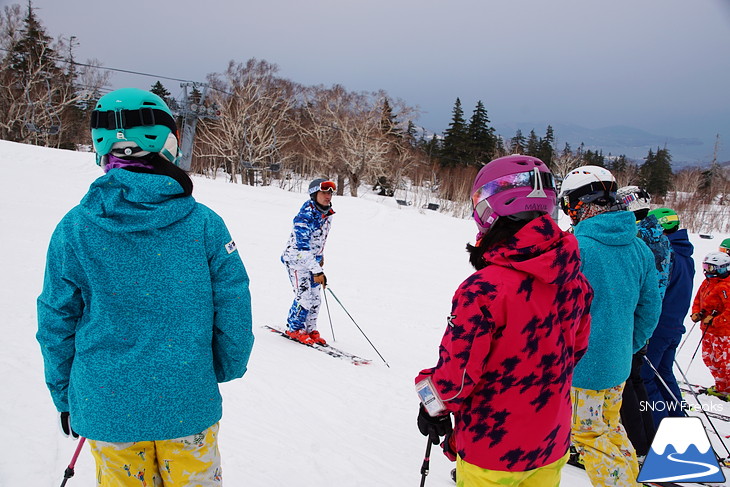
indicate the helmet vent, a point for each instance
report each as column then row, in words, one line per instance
column 151, row 137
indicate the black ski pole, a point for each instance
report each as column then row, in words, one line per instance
column 666, row 386
column 69, row 472
column 358, row 327
column 426, row 462
column 327, row 305
column 687, row 337
column 707, row 416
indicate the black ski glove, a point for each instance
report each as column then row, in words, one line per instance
column 433, row 427
column 449, row 446
column 66, row 428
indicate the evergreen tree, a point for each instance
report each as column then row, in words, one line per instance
column 455, row 148
column 656, row 172
column 33, row 50
column 482, row 141
column 37, row 83
column 410, row 134
column 533, row 145
column 710, row 180
column 545, row 149
column 159, row 90
column 591, row 158
column 518, row 143
column 388, row 121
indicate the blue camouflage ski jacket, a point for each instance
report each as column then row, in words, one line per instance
column 652, row 233
column 626, row 303
column 145, row 308
column 306, row 243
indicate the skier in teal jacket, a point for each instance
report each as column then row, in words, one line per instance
column 145, row 306
column 625, row 310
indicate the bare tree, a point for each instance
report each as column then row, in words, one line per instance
column 345, row 133
column 252, row 130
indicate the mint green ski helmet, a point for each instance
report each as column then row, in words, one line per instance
column 130, row 122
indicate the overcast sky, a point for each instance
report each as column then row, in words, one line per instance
column 659, row 65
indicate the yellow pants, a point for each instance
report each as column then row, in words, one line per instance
column 471, row 475
column 601, row 441
column 192, row 461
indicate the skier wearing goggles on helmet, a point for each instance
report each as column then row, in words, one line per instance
column 517, row 327
column 624, row 313
column 304, row 259
column 711, row 307
column 145, row 306
column 663, row 344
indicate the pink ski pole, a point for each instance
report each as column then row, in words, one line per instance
column 70, row 469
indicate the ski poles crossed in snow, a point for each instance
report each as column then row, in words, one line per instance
column 353, row 320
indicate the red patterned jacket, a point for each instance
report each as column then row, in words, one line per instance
column 517, row 328
column 714, row 296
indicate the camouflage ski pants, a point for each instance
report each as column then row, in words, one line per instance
column 307, row 299
column 716, row 356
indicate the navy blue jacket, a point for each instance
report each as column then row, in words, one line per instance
column 678, row 297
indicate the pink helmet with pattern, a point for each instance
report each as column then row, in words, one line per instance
column 515, row 186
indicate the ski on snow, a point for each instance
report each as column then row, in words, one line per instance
column 328, row 349
column 701, row 390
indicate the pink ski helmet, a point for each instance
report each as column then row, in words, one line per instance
column 511, row 186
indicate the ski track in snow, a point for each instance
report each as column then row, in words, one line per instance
column 298, row 417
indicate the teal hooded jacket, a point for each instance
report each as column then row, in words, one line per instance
column 626, row 302
column 145, row 308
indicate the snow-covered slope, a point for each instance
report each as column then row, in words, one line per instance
column 298, row 417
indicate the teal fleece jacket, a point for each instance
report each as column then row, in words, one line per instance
column 626, row 303
column 145, row 308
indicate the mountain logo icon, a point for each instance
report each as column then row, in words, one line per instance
column 681, row 452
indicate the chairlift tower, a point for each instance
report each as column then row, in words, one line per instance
column 191, row 110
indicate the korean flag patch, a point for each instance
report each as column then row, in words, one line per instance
column 231, row 247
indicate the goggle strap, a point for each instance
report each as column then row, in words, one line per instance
column 126, row 119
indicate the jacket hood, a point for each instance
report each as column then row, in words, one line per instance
column 650, row 229
column 613, row 228
column 680, row 243
column 123, row 201
column 540, row 249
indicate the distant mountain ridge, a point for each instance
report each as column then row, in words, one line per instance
column 616, row 140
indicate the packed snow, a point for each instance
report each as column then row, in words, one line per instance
column 298, row 417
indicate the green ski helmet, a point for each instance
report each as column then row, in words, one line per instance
column 725, row 246
column 130, row 122
column 667, row 217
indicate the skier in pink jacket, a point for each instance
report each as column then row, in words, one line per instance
column 517, row 327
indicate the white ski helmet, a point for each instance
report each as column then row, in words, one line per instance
column 636, row 199
column 586, row 184
column 716, row 264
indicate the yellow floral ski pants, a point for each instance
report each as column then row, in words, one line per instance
column 601, row 441
column 192, row 461
column 470, row 475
